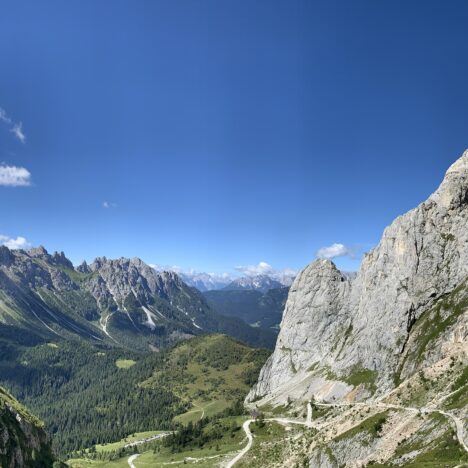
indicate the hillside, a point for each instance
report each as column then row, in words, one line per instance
column 23, row 441
column 209, row 373
column 91, row 395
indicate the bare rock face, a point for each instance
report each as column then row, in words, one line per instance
column 336, row 327
column 117, row 279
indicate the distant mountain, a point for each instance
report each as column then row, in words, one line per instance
column 206, row 281
column 259, row 309
column 123, row 302
column 262, row 283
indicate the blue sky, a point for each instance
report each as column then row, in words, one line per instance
column 224, row 133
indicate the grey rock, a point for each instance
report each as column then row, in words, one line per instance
column 339, row 323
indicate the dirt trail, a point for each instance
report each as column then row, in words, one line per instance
column 308, row 421
column 131, row 459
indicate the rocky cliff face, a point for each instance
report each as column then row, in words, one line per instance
column 23, row 442
column 345, row 337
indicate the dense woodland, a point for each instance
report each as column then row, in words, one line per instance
column 85, row 399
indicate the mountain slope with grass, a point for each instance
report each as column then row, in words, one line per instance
column 89, row 394
column 209, row 373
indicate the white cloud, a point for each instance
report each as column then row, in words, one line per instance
column 17, row 130
column 18, row 243
column 13, row 176
column 15, row 127
column 107, row 205
column 284, row 276
column 263, row 268
column 335, row 250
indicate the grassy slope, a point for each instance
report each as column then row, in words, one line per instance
column 159, row 456
column 210, row 373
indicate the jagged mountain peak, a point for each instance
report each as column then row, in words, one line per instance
column 59, row 258
column 5, row 255
column 38, row 252
column 453, row 191
column 83, row 267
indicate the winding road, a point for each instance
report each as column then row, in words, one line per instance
column 308, row 422
column 248, row 433
column 131, row 459
column 246, row 428
column 148, row 439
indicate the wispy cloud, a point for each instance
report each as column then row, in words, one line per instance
column 107, row 205
column 335, row 250
column 11, row 243
column 17, row 130
column 15, row 127
column 13, row 176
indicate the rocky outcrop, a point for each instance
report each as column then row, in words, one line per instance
column 23, row 441
column 337, row 329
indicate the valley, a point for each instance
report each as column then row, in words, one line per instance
column 131, row 367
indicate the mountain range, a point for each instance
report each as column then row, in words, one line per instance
column 262, row 283
column 206, row 281
column 123, row 302
column 212, row 282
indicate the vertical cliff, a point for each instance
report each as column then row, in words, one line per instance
column 353, row 338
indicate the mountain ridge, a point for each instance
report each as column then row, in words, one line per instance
column 123, row 301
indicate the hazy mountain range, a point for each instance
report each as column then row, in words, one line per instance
column 214, row 281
